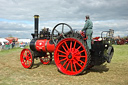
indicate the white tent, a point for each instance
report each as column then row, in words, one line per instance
column 24, row 40
column 3, row 40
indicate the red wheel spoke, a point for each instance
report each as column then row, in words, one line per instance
column 63, row 59
column 65, row 62
column 61, row 51
column 80, row 52
column 66, row 45
column 62, row 56
column 81, row 61
column 25, row 56
column 70, row 45
column 28, row 54
column 29, row 57
column 79, row 47
column 71, row 66
column 67, row 65
column 74, row 45
column 75, row 66
column 78, row 64
column 64, row 48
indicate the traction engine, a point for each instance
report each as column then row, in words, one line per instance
column 71, row 53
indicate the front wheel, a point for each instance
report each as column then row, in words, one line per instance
column 26, row 58
column 71, row 56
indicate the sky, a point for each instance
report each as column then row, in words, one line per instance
column 16, row 16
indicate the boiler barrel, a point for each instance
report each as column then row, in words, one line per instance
column 42, row 45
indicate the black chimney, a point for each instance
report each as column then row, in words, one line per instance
column 36, row 18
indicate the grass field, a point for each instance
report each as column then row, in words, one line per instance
column 13, row 73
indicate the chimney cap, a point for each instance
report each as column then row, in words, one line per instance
column 36, row 16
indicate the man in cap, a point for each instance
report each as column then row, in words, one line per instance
column 88, row 29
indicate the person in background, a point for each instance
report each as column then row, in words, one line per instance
column 0, row 46
column 0, row 43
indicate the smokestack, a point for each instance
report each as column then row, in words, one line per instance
column 36, row 18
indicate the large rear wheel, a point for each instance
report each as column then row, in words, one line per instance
column 71, row 56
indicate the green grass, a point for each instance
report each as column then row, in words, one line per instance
column 13, row 73
column 4, row 52
column 121, row 53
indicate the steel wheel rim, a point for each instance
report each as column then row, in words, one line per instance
column 70, row 60
column 26, row 58
column 46, row 59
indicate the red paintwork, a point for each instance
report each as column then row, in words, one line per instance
column 70, row 65
column 44, row 45
column 96, row 39
column 83, row 34
column 26, row 58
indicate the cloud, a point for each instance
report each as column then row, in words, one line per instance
column 64, row 9
column 15, row 29
column 16, row 16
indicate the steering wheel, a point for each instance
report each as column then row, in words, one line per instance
column 60, row 31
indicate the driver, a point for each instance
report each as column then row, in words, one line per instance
column 88, row 29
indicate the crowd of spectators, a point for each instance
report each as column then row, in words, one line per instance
column 6, row 45
column 0, row 46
